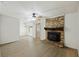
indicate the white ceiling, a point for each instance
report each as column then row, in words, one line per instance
column 24, row 9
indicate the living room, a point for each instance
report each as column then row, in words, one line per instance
column 39, row 26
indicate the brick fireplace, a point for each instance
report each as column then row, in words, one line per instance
column 55, row 30
column 54, row 36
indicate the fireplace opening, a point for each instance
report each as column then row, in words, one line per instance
column 54, row 36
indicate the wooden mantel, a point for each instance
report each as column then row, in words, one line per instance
column 56, row 28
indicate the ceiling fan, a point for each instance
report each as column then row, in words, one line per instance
column 34, row 15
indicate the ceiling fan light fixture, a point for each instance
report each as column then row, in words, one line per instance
column 34, row 15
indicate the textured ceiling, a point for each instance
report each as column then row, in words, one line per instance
column 24, row 10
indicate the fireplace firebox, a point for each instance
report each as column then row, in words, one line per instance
column 54, row 36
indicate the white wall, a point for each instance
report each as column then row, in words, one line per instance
column 78, row 33
column 9, row 29
column 42, row 31
column 22, row 28
column 34, row 29
column 72, row 30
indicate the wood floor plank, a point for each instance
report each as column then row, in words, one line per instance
column 28, row 47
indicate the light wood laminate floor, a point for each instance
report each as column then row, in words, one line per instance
column 29, row 47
